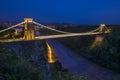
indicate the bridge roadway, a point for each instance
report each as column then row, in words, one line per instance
column 79, row 65
column 67, row 35
column 52, row 36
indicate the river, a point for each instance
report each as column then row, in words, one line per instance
column 79, row 65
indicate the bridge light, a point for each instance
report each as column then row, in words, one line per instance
column 108, row 30
column 97, row 42
column 51, row 57
column 28, row 20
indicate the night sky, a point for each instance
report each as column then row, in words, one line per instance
column 68, row 11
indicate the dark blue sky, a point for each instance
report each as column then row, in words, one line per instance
column 71, row 11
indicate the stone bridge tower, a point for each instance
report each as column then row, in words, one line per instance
column 28, row 29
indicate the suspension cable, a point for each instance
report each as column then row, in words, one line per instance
column 11, row 27
column 50, row 28
column 46, row 27
column 60, row 30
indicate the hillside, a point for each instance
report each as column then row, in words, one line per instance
column 104, row 52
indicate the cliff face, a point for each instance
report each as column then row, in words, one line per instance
column 33, row 51
column 23, row 61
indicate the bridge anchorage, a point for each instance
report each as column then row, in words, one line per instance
column 29, row 31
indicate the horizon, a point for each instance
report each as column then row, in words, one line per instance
column 61, row 23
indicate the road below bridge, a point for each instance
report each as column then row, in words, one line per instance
column 79, row 65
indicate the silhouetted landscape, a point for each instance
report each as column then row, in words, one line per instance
column 27, row 60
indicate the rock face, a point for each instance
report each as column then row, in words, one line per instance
column 23, row 61
column 33, row 51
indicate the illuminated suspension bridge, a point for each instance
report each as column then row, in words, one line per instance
column 29, row 31
column 29, row 34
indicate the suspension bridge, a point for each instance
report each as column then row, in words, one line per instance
column 29, row 31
